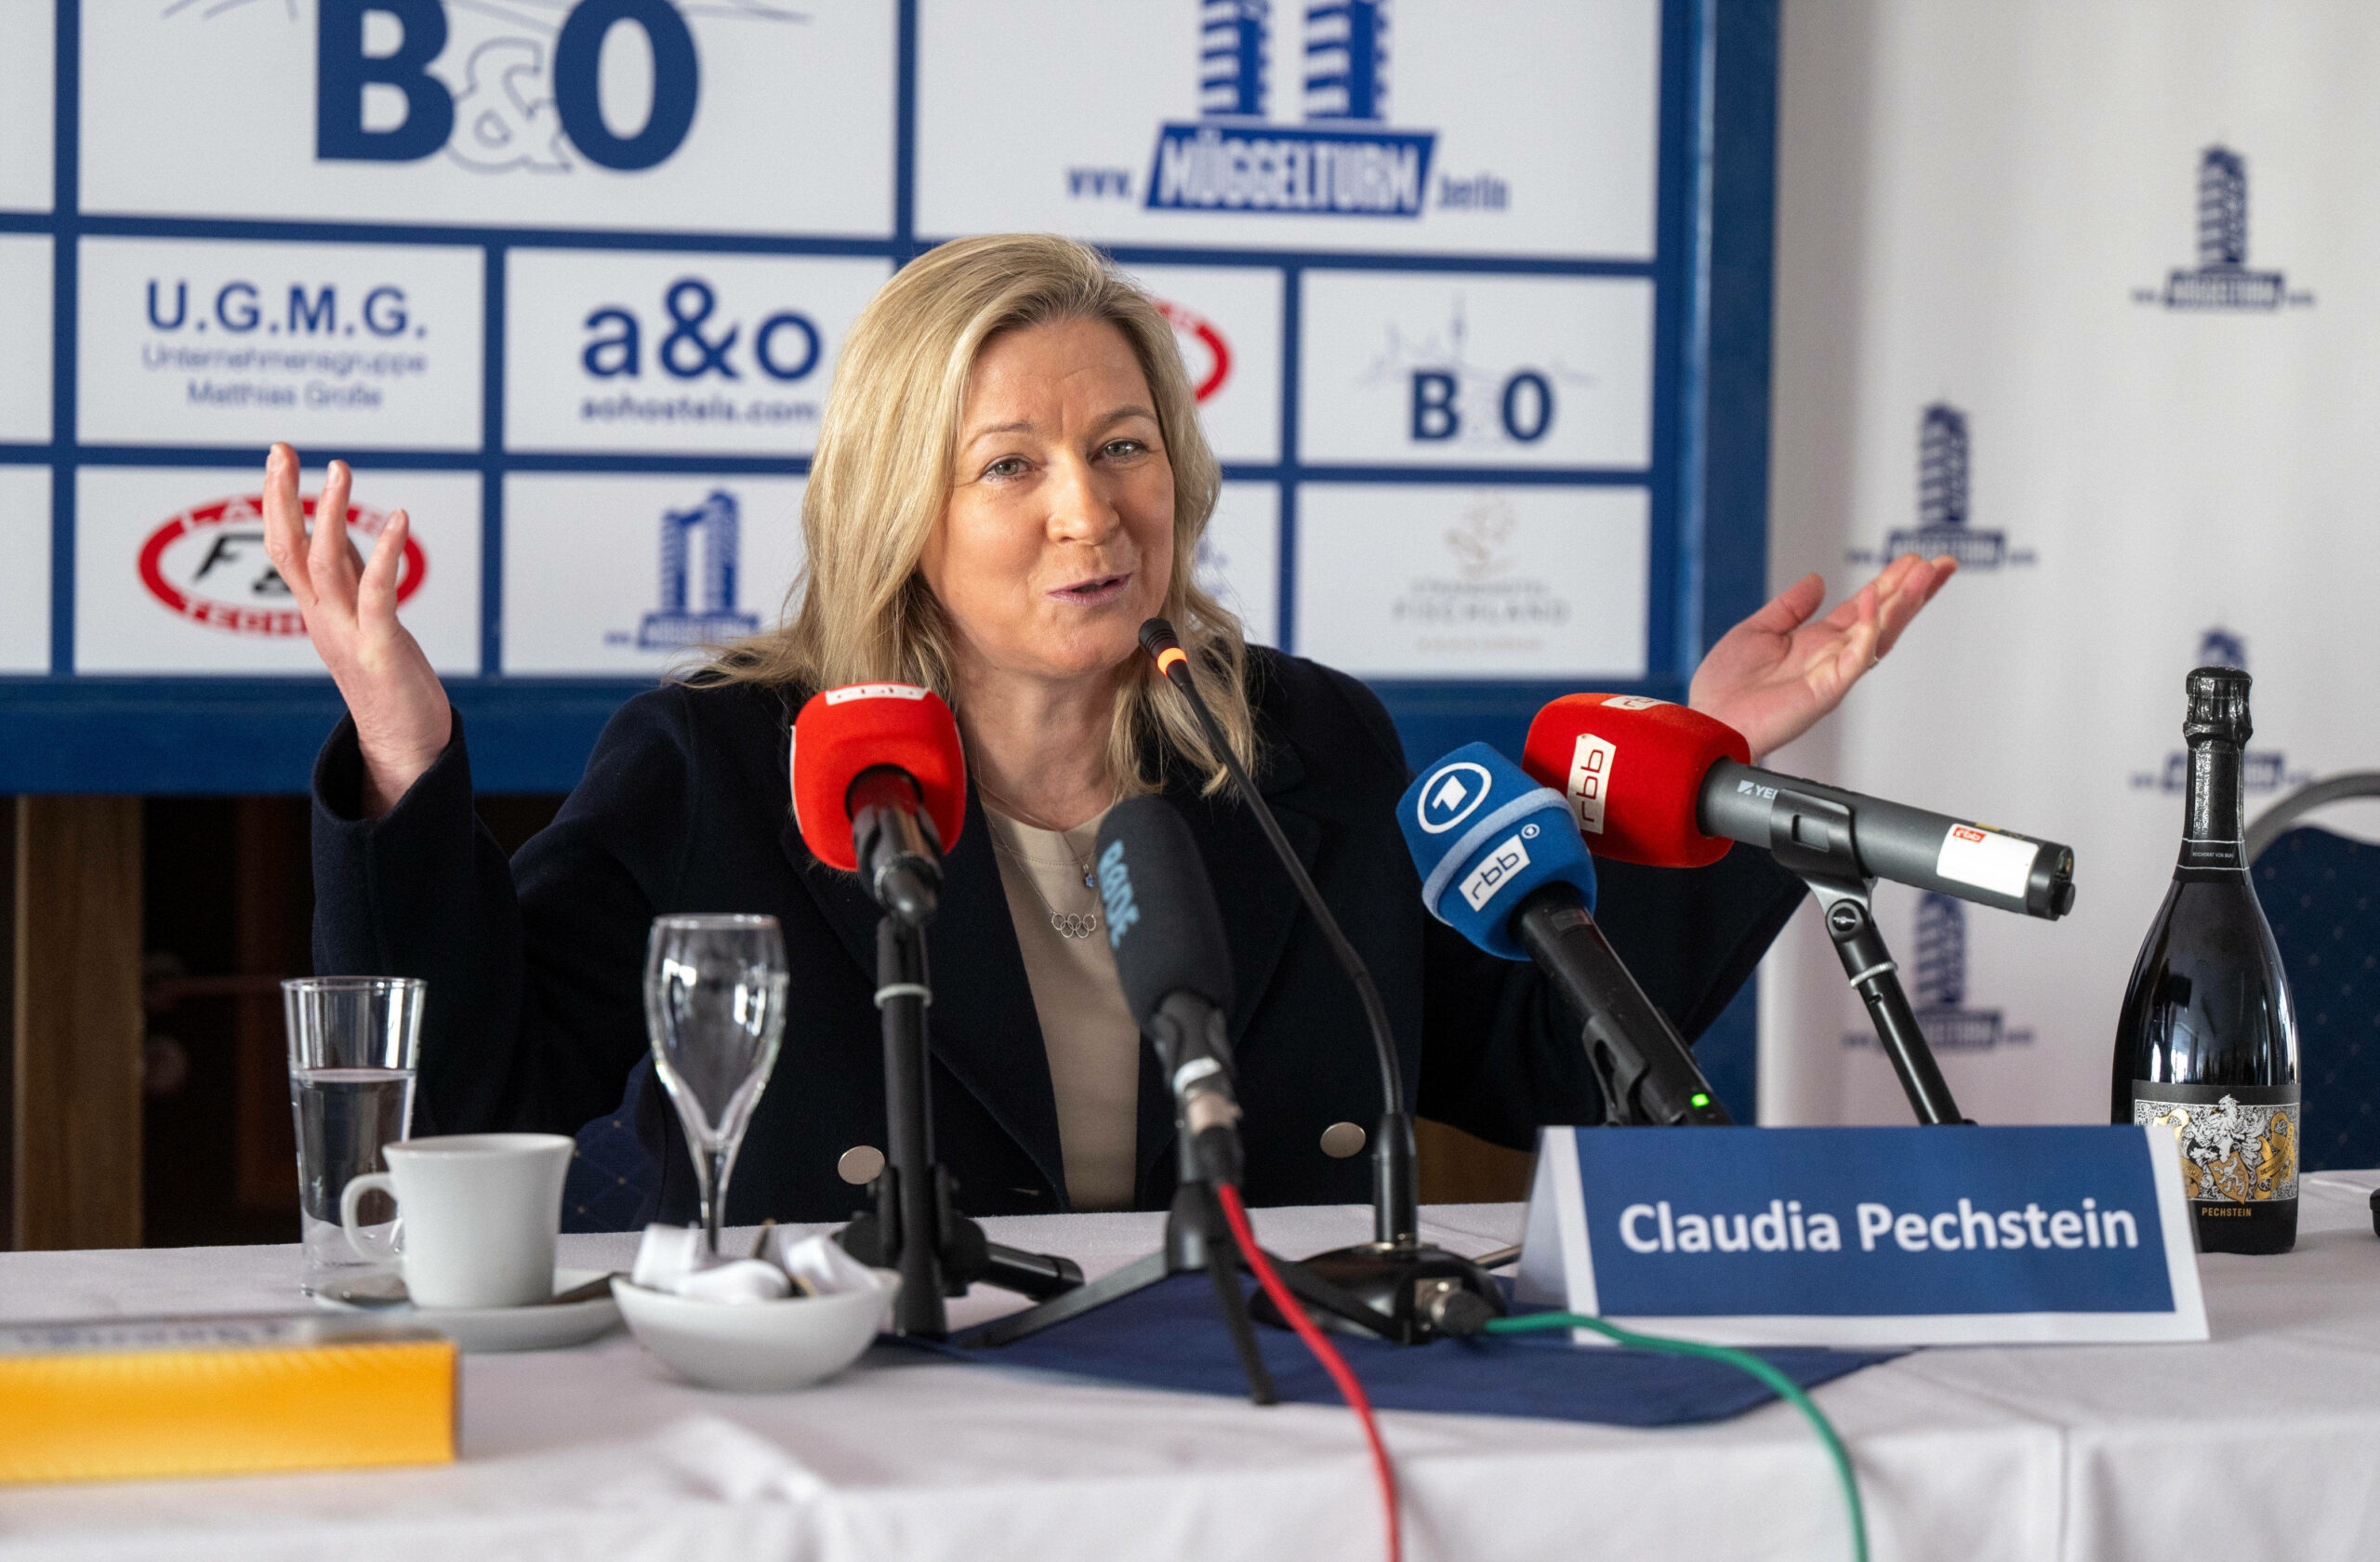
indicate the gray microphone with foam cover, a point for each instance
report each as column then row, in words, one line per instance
column 1166, row 933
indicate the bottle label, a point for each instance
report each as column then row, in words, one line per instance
column 2238, row 1142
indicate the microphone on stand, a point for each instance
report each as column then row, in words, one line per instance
column 1651, row 782
column 1502, row 864
column 1660, row 784
column 1168, row 936
column 1410, row 1284
column 880, row 789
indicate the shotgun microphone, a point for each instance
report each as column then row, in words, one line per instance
column 1651, row 782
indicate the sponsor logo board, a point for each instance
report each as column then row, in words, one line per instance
column 24, row 586
column 1429, row 580
column 1227, row 323
column 28, row 108
column 24, row 337
column 208, row 342
column 611, row 351
column 638, row 574
column 1426, row 126
column 1240, row 557
column 1474, row 370
column 611, row 113
column 172, row 577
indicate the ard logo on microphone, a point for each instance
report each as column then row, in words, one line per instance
column 1452, row 796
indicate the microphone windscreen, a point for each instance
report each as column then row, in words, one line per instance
column 1484, row 835
column 1632, row 771
column 1162, row 919
column 842, row 732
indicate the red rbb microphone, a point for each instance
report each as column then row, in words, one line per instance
column 1632, row 770
column 843, row 733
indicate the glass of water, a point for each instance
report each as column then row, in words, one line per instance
column 352, row 1045
column 714, row 1005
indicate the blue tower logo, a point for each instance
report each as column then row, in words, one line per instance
column 2261, row 769
column 2222, row 278
column 1942, row 495
column 697, row 544
column 1341, row 160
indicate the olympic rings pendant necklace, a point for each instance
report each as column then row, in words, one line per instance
column 1066, row 924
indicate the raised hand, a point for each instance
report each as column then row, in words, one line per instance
column 402, row 719
column 1773, row 675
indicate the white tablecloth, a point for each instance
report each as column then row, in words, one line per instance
column 2263, row 1444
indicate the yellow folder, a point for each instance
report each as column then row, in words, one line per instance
column 128, row 1399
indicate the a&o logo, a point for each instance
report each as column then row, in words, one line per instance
column 2222, row 278
column 207, row 563
column 1942, row 525
column 1342, row 159
column 1451, row 796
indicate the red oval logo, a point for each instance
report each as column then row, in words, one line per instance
column 208, row 565
column 1198, row 338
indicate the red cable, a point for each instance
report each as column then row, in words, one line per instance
column 1350, row 1388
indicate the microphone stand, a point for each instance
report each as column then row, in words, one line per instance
column 1404, row 1283
column 916, row 1227
column 1811, row 836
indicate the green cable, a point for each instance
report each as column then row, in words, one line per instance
column 1743, row 1360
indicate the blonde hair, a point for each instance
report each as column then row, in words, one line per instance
column 861, row 611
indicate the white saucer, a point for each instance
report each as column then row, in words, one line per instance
column 480, row 1330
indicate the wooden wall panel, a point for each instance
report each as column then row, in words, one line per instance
column 78, row 1023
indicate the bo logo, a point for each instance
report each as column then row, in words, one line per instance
column 342, row 70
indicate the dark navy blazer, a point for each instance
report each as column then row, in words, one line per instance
column 534, row 1016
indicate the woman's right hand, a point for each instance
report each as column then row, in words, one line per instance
column 402, row 722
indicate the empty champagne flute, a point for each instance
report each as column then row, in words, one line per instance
column 714, row 1005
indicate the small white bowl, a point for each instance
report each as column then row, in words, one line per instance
column 758, row 1346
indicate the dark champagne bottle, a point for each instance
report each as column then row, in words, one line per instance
column 2207, row 1045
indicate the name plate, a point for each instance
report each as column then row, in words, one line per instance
column 1866, row 1236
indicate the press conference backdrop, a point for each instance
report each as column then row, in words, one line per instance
column 567, row 279
column 2080, row 292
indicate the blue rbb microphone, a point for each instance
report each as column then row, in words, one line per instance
column 1501, row 863
column 1484, row 835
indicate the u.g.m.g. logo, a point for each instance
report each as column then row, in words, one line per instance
column 208, row 563
column 1342, row 159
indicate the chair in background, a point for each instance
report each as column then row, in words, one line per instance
column 615, row 1181
column 2321, row 893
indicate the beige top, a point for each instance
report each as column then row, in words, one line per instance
column 1094, row 1047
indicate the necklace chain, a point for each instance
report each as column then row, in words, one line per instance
column 1066, row 924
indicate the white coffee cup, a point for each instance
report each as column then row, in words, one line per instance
column 479, row 1211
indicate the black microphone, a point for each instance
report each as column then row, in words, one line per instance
column 1396, row 1197
column 1166, row 933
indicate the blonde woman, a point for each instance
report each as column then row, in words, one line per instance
column 1009, row 479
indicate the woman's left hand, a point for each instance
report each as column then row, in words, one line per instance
column 1773, row 675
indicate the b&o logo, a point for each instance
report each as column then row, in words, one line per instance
column 1344, row 159
column 1942, row 522
column 2222, row 278
column 531, row 94
column 208, row 565
column 1452, row 399
column 1451, row 796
